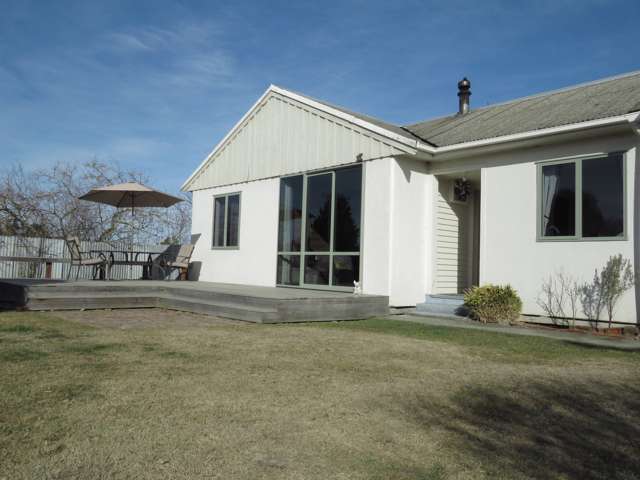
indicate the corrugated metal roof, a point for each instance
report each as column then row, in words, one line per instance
column 601, row 99
column 592, row 101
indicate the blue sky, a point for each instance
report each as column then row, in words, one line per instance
column 155, row 85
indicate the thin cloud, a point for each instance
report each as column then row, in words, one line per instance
column 127, row 42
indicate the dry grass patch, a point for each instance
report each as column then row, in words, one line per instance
column 206, row 398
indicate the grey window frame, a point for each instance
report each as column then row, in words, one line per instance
column 577, row 161
column 226, row 220
column 303, row 231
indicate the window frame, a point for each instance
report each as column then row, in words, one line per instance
column 303, row 253
column 577, row 161
column 226, row 221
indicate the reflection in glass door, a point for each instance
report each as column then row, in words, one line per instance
column 319, row 229
column 318, row 221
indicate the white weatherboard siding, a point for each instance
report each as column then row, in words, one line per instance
column 509, row 250
column 282, row 137
column 254, row 262
column 453, row 247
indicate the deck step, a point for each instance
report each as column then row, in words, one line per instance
column 64, row 301
column 100, row 289
column 237, row 311
column 249, row 303
column 220, row 297
column 61, row 301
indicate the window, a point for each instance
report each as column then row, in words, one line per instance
column 559, row 200
column 582, row 198
column 319, row 229
column 226, row 221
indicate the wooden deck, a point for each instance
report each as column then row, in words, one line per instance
column 241, row 302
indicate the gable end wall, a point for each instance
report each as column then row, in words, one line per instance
column 284, row 137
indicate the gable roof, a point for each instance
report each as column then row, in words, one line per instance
column 592, row 101
column 248, row 153
column 607, row 101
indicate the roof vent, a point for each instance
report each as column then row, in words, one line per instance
column 464, row 93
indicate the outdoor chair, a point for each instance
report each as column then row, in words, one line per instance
column 80, row 259
column 180, row 262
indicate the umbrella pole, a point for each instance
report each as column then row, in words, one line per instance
column 131, row 234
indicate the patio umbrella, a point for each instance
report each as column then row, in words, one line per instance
column 130, row 195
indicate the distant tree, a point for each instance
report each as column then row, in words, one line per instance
column 44, row 203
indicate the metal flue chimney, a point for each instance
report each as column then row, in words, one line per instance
column 464, row 93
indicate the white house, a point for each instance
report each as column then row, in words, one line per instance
column 304, row 194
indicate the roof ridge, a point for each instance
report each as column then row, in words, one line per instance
column 537, row 95
column 362, row 116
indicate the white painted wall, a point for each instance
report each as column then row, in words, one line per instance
column 509, row 250
column 396, row 231
column 411, row 226
column 377, row 227
column 254, row 262
column 398, row 253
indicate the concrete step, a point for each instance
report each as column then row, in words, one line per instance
column 447, row 305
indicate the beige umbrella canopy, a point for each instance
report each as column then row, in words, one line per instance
column 130, row 195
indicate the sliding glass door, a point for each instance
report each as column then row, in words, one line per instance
column 319, row 229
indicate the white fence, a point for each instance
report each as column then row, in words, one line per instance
column 39, row 258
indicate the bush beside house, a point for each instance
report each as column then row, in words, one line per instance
column 561, row 295
column 493, row 303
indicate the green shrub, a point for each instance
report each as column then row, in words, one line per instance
column 493, row 303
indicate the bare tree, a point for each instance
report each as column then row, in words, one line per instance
column 45, row 203
column 559, row 297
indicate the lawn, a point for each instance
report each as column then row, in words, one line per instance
column 156, row 394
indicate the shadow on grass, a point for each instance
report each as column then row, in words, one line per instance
column 21, row 355
column 73, row 391
column 17, row 328
column 542, row 430
column 92, row 348
column 378, row 469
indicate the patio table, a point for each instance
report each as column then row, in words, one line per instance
column 132, row 258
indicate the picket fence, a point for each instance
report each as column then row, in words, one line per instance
column 40, row 258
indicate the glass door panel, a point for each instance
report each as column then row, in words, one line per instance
column 316, row 269
column 319, row 229
column 319, row 190
column 346, row 270
column 347, row 210
column 288, row 270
